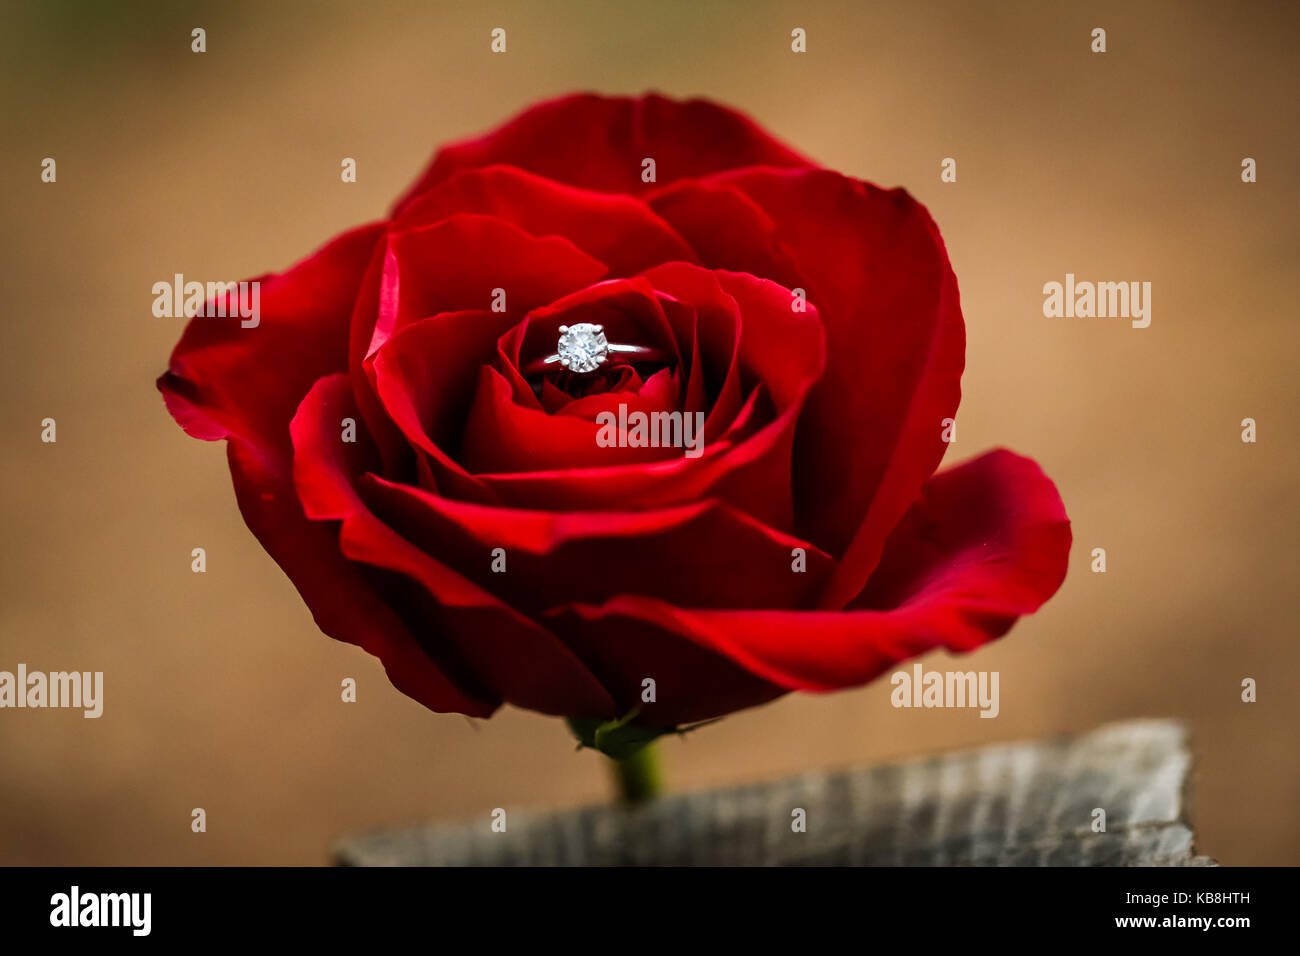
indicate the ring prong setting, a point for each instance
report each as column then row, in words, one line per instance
column 582, row 347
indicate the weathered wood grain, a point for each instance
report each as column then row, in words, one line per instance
column 1016, row 804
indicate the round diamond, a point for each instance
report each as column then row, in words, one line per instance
column 582, row 347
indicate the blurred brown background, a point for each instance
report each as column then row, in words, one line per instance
column 220, row 692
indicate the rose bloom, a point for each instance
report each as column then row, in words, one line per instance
column 387, row 430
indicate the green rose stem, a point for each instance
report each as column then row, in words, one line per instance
column 638, row 776
column 632, row 753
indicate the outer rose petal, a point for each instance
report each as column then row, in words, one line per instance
column 671, row 553
column 692, row 682
column 987, row 542
column 878, row 273
column 469, row 631
column 622, row 232
column 214, row 390
column 228, row 381
column 598, row 142
column 341, row 595
column 726, row 229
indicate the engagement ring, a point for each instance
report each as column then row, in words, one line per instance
column 583, row 348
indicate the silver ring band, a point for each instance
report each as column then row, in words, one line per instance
column 582, row 348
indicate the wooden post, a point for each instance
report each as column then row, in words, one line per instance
column 1033, row 803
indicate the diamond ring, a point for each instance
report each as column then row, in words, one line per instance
column 583, row 348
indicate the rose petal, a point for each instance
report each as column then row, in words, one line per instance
column 598, row 142
column 622, row 232
column 703, row 315
column 425, row 378
column 659, row 393
column 459, row 263
column 726, row 228
column 879, row 275
column 739, row 468
column 692, row 682
column 782, row 349
column 987, row 542
column 452, row 266
column 699, row 555
column 226, row 381
column 345, row 600
column 504, row 437
column 214, row 390
column 776, row 346
column 469, row 632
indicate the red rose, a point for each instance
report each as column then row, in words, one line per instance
column 822, row 426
